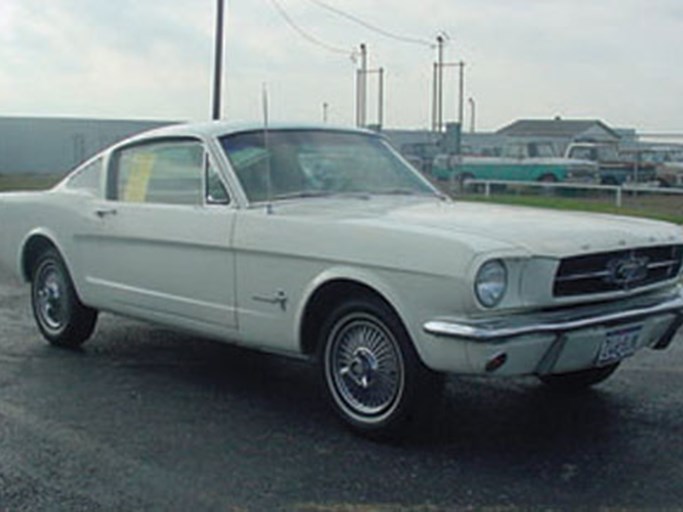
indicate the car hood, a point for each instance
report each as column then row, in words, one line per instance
column 539, row 232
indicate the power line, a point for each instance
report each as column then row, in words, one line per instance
column 311, row 39
column 372, row 27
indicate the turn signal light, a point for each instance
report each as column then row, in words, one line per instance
column 496, row 362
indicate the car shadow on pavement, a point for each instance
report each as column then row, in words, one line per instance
column 475, row 415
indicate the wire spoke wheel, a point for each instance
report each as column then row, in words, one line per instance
column 365, row 367
column 373, row 377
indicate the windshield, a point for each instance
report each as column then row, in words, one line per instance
column 514, row 151
column 541, row 150
column 302, row 163
column 607, row 154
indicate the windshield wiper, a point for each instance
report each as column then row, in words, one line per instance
column 402, row 192
column 323, row 193
column 303, row 194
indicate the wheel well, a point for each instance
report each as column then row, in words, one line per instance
column 35, row 246
column 548, row 177
column 322, row 301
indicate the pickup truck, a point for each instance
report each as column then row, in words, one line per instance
column 530, row 161
column 614, row 168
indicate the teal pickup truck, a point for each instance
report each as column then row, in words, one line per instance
column 531, row 161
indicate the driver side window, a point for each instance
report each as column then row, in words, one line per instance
column 170, row 172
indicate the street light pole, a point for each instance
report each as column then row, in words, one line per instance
column 362, row 87
column 473, row 107
column 218, row 62
column 461, row 92
column 380, row 100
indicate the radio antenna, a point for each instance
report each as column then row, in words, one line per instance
column 266, row 146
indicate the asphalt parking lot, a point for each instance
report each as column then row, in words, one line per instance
column 146, row 419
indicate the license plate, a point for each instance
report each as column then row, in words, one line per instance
column 619, row 344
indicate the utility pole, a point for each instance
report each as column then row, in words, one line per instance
column 380, row 100
column 434, row 95
column 218, row 62
column 362, row 90
column 438, row 89
column 380, row 94
column 439, row 83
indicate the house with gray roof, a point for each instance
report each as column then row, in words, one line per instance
column 560, row 132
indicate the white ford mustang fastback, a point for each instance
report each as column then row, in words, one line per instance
column 324, row 243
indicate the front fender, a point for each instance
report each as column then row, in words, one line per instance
column 413, row 296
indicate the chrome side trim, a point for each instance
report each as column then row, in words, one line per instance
column 501, row 328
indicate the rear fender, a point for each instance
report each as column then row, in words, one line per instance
column 35, row 241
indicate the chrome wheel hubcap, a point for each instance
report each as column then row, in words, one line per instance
column 365, row 368
column 362, row 368
column 50, row 300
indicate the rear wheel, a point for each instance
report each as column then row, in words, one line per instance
column 580, row 380
column 373, row 378
column 61, row 317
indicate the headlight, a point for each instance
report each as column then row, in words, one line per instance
column 491, row 283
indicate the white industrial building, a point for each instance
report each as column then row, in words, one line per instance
column 49, row 145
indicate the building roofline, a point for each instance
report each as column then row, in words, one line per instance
column 510, row 127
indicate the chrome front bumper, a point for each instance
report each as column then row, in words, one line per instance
column 500, row 329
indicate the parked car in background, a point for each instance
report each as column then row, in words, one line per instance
column 614, row 168
column 531, row 161
column 324, row 244
column 669, row 166
column 643, row 162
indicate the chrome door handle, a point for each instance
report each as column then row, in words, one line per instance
column 104, row 212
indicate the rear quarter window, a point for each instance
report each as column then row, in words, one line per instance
column 87, row 179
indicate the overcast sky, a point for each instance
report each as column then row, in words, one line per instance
column 615, row 60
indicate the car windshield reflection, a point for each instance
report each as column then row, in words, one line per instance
column 289, row 164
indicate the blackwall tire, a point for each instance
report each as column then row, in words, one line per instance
column 61, row 317
column 372, row 376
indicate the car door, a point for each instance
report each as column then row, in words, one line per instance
column 162, row 245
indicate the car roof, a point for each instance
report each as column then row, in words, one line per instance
column 221, row 128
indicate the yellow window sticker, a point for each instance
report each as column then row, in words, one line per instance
column 138, row 179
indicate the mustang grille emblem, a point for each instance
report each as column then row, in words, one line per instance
column 628, row 271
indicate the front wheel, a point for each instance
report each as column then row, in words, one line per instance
column 579, row 380
column 373, row 377
column 61, row 317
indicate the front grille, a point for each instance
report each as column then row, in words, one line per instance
column 618, row 270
